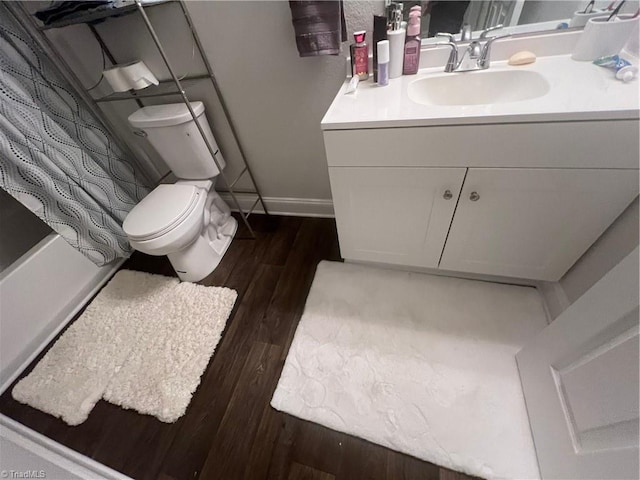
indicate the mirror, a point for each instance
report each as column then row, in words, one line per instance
column 518, row 16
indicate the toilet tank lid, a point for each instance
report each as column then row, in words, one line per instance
column 164, row 115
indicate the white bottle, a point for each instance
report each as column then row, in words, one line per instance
column 383, row 62
column 396, row 51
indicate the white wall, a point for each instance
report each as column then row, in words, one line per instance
column 620, row 239
column 276, row 98
column 535, row 11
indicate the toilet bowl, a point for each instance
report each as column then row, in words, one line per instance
column 173, row 220
column 187, row 221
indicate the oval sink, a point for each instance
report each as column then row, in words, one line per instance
column 478, row 88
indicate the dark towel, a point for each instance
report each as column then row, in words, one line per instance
column 319, row 25
column 59, row 10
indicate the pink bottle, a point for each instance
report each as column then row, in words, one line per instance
column 412, row 45
column 360, row 56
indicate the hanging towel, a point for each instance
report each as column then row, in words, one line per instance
column 319, row 25
column 59, row 10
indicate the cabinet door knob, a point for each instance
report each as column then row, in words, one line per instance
column 474, row 197
column 447, row 195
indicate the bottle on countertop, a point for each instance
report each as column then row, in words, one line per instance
column 412, row 43
column 379, row 33
column 383, row 62
column 396, row 36
column 360, row 56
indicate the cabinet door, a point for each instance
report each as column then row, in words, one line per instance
column 394, row 215
column 533, row 223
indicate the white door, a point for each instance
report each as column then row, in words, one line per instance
column 580, row 382
column 533, row 223
column 394, row 215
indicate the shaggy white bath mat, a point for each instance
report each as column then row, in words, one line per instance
column 142, row 343
column 421, row 364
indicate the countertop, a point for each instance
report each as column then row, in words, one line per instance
column 579, row 91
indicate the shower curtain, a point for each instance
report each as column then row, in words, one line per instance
column 56, row 157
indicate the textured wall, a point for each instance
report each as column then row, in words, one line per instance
column 359, row 14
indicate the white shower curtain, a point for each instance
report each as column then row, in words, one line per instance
column 55, row 155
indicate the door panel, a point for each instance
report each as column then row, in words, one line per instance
column 394, row 215
column 615, row 421
column 533, row 223
column 580, row 381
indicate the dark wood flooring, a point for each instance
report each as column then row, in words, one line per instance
column 230, row 431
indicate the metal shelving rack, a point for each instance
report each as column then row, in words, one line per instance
column 167, row 88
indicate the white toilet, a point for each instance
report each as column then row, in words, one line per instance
column 187, row 221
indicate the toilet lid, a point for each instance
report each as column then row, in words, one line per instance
column 164, row 208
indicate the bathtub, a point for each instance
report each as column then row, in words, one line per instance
column 39, row 294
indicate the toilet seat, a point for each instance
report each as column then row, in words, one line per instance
column 163, row 210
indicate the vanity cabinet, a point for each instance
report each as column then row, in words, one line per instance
column 417, row 203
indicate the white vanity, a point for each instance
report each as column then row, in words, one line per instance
column 514, row 188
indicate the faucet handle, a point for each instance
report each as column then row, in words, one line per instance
column 445, row 44
column 452, row 62
column 448, row 36
column 484, row 33
column 484, row 59
column 490, row 40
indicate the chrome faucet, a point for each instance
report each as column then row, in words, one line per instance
column 477, row 55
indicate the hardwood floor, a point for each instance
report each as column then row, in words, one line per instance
column 230, row 431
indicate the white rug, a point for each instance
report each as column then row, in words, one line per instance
column 142, row 343
column 421, row 364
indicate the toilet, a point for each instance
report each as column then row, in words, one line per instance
column 187, row 220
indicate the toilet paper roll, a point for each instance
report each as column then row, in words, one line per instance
column 601, row 38
column 138, row 75
column 116, row 80
column 127, row 76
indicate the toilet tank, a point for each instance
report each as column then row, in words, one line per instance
column 174, row 134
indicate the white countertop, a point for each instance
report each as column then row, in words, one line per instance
column 579, row 91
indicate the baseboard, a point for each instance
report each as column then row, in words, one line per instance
column 45, row 458
column 62, row 320
column 296, row 207
column 522, row 282
column 554, row 299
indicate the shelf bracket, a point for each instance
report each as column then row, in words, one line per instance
column 107, row 52
column 223, row 104
column 244, row 170
column 187, row 103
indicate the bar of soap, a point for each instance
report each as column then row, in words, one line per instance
column 522, row 58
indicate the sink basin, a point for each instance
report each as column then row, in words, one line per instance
column 479, row 88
